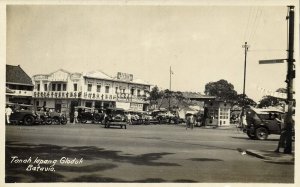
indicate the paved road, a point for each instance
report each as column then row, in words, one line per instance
column 152, row 153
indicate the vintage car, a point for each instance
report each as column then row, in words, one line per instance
column 164, row 116
column 115, row 117
column 89, row 114
column 262, row 122
column 25, row 114
column 58, row 118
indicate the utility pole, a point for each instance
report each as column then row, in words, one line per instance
column 289, row 81
column 286, row 135
column 170, row 88
column 245, row 68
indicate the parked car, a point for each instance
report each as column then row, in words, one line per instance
column 58, row 118
column 89, row 114
column 115, row 117
column 262, row 122
column 26, row 115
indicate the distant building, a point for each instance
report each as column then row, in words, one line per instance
column 62, row 91
column 216, row 112
column 18, row 85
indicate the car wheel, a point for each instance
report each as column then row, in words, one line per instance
column 56, row 121
column 250, row 135
column 261, row 133
column 64, row 121
column 83, row 120
column 48, row 121
column 28, row 120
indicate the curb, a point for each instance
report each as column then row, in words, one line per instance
column 279, row 158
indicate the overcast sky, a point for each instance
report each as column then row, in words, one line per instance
column 201, row 43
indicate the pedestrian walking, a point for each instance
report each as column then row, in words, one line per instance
column 75, row 117
column 8, row 112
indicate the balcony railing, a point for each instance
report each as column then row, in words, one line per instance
column 25, row 93
column 123, row 97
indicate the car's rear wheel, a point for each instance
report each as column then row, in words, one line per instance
column 56, row 121
column 83, row 120
column 48, row 121
column 261, row 133
column 28, row 120
column 64, row 121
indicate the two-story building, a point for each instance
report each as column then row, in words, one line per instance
column 63, row 91
column 18, row 85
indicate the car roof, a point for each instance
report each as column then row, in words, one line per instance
column 111, row 108
column 266, row 110
column 84, row 107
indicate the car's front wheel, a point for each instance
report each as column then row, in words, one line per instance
column 28, row 120
column 251, row 135
column 261, row 133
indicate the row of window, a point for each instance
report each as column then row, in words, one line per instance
column 117, row 90
column 63, row 87
column 19, row 87
column 55, row 87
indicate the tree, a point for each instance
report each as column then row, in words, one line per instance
column 281, row 90
column 268, row 100
column 222, row 89
column 155, row 94
column 248, row 101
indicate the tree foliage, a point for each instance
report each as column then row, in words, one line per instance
column 248, row 101
column 222, row 89
column 268, row 100
column 155, row 94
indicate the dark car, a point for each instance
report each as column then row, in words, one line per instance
column 26, row 115
column 58, row 118
column 89, row 114
column 115, row 117
column 262, row 122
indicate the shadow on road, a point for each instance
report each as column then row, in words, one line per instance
column 96, row 178
column 206, row 159
column 246, row 138
column 17, row 172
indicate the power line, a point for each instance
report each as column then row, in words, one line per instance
column 257, row 17
column 247, row 24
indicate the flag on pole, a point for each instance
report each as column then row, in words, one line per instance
column 171, row 72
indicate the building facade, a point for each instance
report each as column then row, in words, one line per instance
column 62, row 91
column 217, row 113
column 19, row 87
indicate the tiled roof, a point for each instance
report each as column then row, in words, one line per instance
column 195, row 95
column 15, row 74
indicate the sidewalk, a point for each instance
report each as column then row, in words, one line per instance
column 271, row 156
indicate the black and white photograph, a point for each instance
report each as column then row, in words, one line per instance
column 149, row 92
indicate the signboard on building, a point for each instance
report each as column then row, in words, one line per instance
column 124, row 76
column 125, row 106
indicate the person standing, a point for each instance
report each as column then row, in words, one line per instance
column 75, row 117
column 8, row 112
column 281, row 143
column 129, row 118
